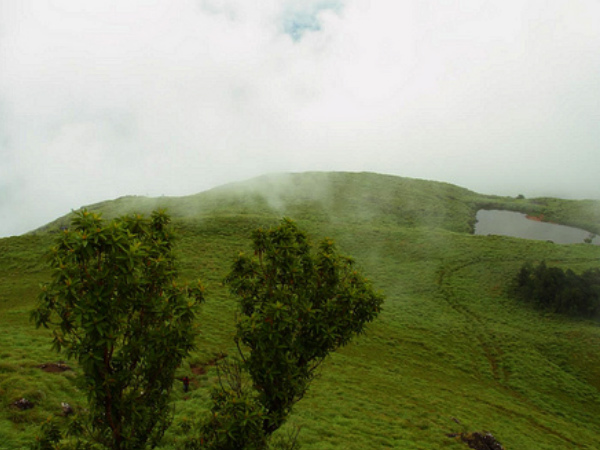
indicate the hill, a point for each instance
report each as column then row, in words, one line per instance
column 450, row 343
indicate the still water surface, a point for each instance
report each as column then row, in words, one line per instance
column 509, row 223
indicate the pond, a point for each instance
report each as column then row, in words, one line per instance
column 509, row 223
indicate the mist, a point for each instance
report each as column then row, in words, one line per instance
column 101, row 99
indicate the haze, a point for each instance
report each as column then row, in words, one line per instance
column 100, row 99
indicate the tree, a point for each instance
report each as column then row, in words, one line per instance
column 115, row 306
column 296, row 307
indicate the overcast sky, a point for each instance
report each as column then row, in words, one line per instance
column 104, row 98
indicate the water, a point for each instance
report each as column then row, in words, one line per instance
column 509, row 223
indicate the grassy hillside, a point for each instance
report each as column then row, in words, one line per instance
column 451, row 342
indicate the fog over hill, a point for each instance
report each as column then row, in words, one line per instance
column 102, row 99
column 347, row 197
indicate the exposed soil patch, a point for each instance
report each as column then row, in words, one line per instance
column 54, row 367
column 198, row 370
column 201, row 369
column 539, row 218
column 216, row 359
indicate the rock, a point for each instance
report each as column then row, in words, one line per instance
column 481, row 441
column 55, row 367
column 23, row 404
column 67, row 409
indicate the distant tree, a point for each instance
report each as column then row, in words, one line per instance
column 524, row 280
column 114, row 305
column 296, row 307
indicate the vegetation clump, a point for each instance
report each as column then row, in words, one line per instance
column 560, row 291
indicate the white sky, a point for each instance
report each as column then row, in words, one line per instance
column 104, row 98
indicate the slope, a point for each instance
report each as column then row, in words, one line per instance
column 451, row 341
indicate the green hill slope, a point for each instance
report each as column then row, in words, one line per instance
column 450, row 343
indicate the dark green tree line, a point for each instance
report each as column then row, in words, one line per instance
column 564, row 292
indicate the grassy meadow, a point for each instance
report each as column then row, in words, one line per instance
column 451, row 342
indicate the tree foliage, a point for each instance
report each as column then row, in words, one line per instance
column 296, row 307
column 560, row 291
column 114, row 305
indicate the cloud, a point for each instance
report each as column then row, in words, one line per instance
column 301, row 17
column 100, row 99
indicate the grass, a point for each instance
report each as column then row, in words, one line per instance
column 450, row 343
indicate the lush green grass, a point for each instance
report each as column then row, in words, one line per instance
column 450, row 343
